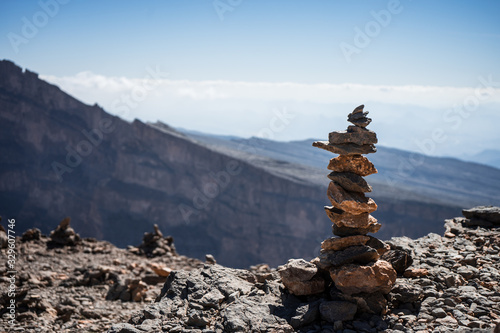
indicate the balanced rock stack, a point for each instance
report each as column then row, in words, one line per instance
column 352, row 259
column 348, row 268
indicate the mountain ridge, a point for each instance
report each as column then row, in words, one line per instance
column 243, row 208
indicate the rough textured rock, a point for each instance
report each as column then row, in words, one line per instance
column 354, row 203
column 340, row 243
column 357, row 164
column 364, row 137
column 354, row 279
column 378, row 245
column 344, row 219
column 350, row 181
column 345, row 148
column 404, row 291
column 62, row 289
column 362, row 122
column 487, row 216
column 337, row 311
column 399, row 259
column 300, row 277
column 360, row 254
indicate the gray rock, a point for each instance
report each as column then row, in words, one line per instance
column 362, row 122
column 299, row 277
column 305, row 314
column 399, row 259
column 337, row 311
column 361, row 326
column 438, row 313
column 124, row 328
column 251, row 314
column 405, row 292
column 350, row 181
column 363, row 137
column 486, row 213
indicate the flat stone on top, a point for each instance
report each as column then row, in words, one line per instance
column 345, row 148
column 358, row 109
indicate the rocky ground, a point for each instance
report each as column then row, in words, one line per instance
column 446, row 283
column 67, row 284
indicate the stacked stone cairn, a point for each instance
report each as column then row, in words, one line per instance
column 349, row 264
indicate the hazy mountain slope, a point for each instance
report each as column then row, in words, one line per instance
column 489, row 157
column 242, row 207
column 415, row 176
column 138, row 175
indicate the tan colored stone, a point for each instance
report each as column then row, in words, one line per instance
column 344, row 231
column 344, row 219
column 340, row 243
column 354, row 203
column 415, row 272
column 161, row 270
column 357, row 164
column 355, row 279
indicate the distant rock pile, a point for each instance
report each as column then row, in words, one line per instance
column 154, row 244
column 64, row 234
column 352, row 260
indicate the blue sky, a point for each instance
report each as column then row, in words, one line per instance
column 228, row 72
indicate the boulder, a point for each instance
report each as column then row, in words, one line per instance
column 488, row 213
column 484, row 216
column 350, row 181
column 354, row 203
column 357, row 164
column 299, row 277
column 355, row 279
column 345, row 148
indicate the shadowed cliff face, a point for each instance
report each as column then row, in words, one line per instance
column 60, row 157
